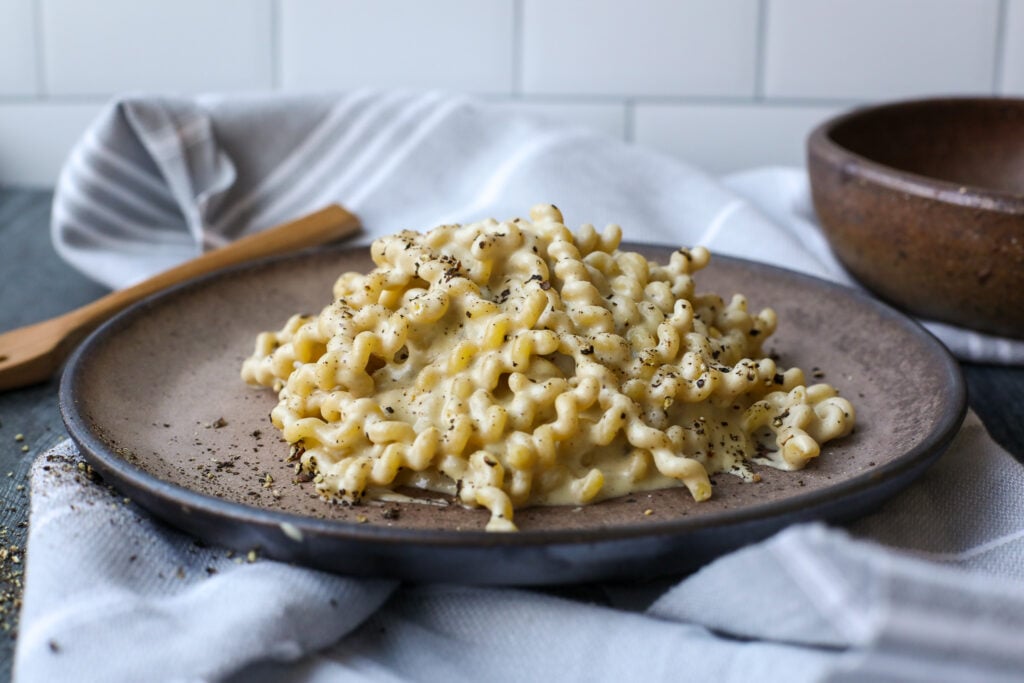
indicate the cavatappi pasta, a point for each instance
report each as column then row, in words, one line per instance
column 515, row 363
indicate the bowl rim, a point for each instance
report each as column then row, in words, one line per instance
column 821, row 144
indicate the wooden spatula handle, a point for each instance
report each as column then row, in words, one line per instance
column 32, row 354
column 326, row 225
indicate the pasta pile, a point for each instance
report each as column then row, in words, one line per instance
column 515, row 363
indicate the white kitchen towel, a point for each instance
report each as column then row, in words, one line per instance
column 928, row 588
column 156, row 180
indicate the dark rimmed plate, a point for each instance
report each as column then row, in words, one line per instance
column 154, row 401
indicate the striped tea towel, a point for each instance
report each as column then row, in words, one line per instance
column 157, row 180
column 930, row 589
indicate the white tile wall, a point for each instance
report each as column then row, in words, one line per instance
column 644, row 47
column 109, row 46
column 452, row 44
column 17, row 48
column 1013, row 55
column 861, row 49
column 724, row 138
column 726, row 84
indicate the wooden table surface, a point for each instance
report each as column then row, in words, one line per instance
column 35, row 285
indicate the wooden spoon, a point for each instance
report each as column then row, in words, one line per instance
column 34, row 353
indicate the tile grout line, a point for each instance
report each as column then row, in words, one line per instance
column 517, row 48
column 97, row 98
column 541, row 98
column 275, row 44
column 760, row 49
column 1000, row 46
column 686, row 100
column 42, row 86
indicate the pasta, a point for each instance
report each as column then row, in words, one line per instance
column 515, row 363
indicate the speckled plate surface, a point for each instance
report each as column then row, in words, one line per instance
column 154, row 401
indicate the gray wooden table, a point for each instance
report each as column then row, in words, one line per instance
column 35, row 285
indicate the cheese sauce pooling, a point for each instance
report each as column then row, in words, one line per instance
column 515, row 363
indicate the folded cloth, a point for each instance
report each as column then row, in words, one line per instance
column 917, row 591
column 112, row 595
column 156, row 180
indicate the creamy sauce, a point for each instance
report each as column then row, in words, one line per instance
column 515, row 363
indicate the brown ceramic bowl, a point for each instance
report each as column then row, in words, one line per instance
column 923, row 202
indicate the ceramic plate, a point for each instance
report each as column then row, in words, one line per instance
column 154, row 401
